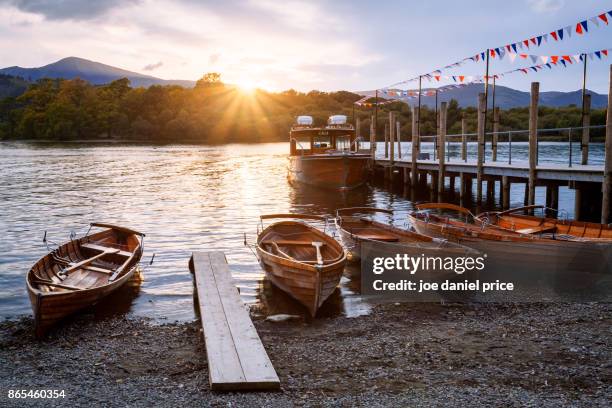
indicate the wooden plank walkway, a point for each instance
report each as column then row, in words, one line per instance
column 237, row 360
column 518, row 169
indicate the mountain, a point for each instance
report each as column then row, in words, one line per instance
column 12, row 86
column 504, row 97
column 91, row 71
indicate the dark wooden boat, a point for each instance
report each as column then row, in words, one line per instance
column 326, row 157
column 577, row 261
column 356, row 230
column 300, row 259
column 532, row 225
column 81, row 272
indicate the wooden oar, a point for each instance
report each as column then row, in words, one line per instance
column 88, row 261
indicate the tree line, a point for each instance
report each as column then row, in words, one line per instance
column 213, row 112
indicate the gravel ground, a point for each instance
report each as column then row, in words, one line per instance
column 399, row 355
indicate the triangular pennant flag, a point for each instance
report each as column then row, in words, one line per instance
column 598, row 54
column 560, row 33
column 524, row 56
column 604, row 52
column 534, row 69
column 566, row 58
column 508, row 48
column 594, row 21
column 603, row 18
column 585, row 25
column 578, row 28
column 545, row 38
column 437, row 77
column 554, row 59
column 591, row 55
column 568, row 30
column 454, row 79
column 514, row 47
column 493, row 52
column 512, row 56
column 533, row 40
column 461, row 78
column 534, row 58
column 526, row 43
column 544, row 59
column 577, row 57
column 539, row 39
column 524, row 70
column 563, row 62
column 549, row 66
column 501, row 53
column 554, row 35
column 482, row 55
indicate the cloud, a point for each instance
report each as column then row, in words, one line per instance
column 546, row 6
column 152, row 67
column 67, row 9
column 214, row 58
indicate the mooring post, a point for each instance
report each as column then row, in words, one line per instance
column 392, row 137
column 607, row 182
column 407, row 175
column 481, row 141
column 386, row 140
column 415, row 146
column 533, row 141
column 442, row 147
column 398, row 138
column 357, row 133
column 372, row 140
column 554, row 198
column 586, row 122
column 505, row 193
column 495, row 130
column 463, row 138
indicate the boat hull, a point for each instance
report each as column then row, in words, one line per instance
column 330, row 171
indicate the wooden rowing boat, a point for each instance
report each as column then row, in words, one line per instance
column 576, row 261
column 81, row 272
column 532, row 225
column 300, row 259
column 356, row 230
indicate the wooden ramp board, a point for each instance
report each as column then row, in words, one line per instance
column 237, row 359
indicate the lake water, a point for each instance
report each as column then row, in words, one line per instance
column 185, row 198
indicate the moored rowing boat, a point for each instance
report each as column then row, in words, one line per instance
column 300, row 259
column 81, row 272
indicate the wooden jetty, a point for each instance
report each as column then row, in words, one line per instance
column 588, row 180
column 237, row 360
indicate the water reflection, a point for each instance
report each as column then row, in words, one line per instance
column 184, row 198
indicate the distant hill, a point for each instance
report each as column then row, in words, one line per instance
column 506, row 97
column 12, row 86
column 93, row 72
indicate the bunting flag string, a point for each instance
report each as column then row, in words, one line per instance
column 580, row 28
column 413, row 93
column 513, row 50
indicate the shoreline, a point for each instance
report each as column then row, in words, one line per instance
column 400, row 354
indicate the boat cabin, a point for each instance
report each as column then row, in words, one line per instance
column 337, row 136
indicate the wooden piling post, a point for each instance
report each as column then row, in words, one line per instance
column 463, row 138
column 386, row 140
column 505, row 193
column 554, row 197
column 406, row 175
column 392, row 137
column 495, row 131
column 607, row 182
column 357, row 133
column 372, row 140
column 481, row 146
column 442, row 147
column 586, row 122
column 415, row 146
column 533, row 140
column 398, row 138
column 451, row 180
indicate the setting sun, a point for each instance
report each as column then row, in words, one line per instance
column 247, row 85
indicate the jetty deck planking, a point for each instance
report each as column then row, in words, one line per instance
column 237, row 359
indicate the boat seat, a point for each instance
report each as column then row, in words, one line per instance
column 379, row 237
column 289, row 242
column 101, row 248
column 538, row 229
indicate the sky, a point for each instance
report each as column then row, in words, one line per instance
column 304, row 45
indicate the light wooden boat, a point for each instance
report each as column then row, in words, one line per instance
column 577, row 261
column 81, row 272
column 356, row 230
column 532, row 225
column 300, row 259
